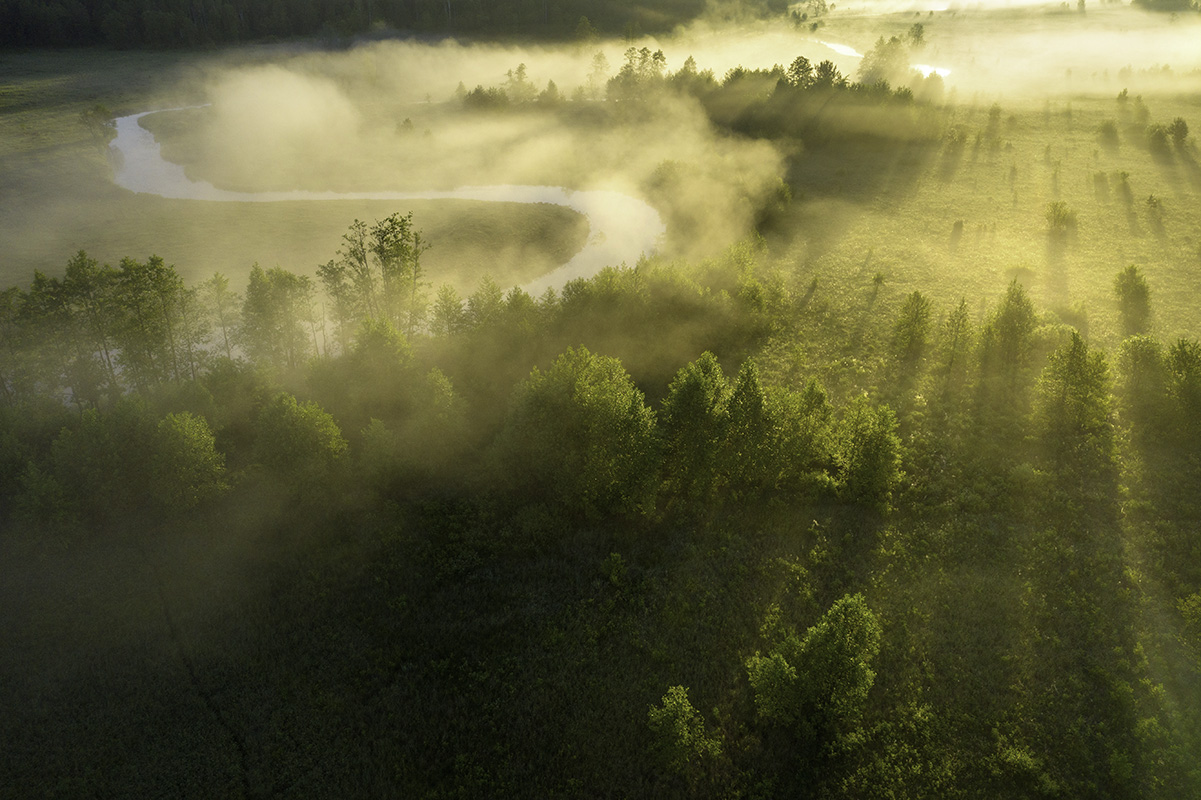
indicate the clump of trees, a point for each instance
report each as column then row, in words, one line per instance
column 813, row 101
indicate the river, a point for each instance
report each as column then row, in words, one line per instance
column 622, row 229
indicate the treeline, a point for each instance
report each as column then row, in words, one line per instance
column 193, row 23
column 955, row 555
column 815, row 102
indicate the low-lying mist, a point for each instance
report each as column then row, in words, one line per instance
column 391, row 116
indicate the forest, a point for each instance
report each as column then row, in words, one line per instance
column 876, row 478
column 192, row 23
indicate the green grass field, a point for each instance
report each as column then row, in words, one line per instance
column 892, row 209
column 895, row 213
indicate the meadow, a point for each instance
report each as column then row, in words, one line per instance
column 968, row 215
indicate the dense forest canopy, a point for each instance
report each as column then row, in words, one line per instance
column 877, row 478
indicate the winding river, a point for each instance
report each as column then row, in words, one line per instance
column 621, row 228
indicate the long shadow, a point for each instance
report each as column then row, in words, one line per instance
column 858, row 171
column 1188, row 159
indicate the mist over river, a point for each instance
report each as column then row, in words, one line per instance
column 622, row 228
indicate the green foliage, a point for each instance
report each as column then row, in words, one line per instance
column 1134, row 300
column 1074, row 394
column 187, row 467
column 278, row 318
column 1179, row 131
column 1184, row 363
column 775, row 685
column 100, row 125
column 680, row 735
column 105, row 462
column 868, row 454
column 887, row 61
column 1143, row 370
column 299, row 442
column 580, row 436
column 693, row 426
column 750, row 459
column 912, row 327
column 1007, row 340
column 818, row 684
column 1107, row 134
column 1061, row 219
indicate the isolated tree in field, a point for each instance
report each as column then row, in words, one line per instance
column 1107, row 134
column 580, row 437
column 1061, row 220
column 1134, row 300
column 887, row 61
column 1158, row 139
column 912, row 328
column 1179, row 131
column 100, row 125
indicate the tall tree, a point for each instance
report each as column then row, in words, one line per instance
column 223, row 308
column 1134, row 300
column 692, row 428
column 150, row 298
column 277, row 309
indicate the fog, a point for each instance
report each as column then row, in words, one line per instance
column 338, row 120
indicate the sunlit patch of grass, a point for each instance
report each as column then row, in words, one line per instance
column 903, row 222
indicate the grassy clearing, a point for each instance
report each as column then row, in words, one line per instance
column 895, row 214
column 56, row 196
column 892, row 211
